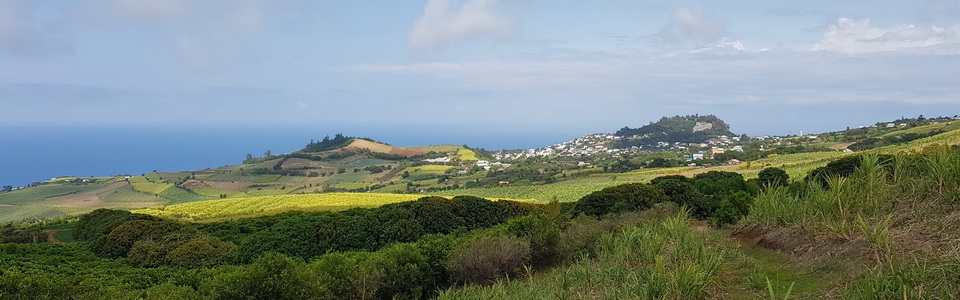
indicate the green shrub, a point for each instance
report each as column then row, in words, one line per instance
column 488, row 259
column 621, row 198
column 541, row 232
column 773, row 177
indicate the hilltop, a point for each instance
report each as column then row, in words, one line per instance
column 682, row 129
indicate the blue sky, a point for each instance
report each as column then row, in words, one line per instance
column 476, row 66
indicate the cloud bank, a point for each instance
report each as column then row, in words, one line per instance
column 857, row 36
column 442, row 23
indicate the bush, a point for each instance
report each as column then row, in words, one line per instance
column 101, row 222
column 541, row 232
column 773, row 177
column 680, row 190
column 732, row 207
column 621, row 198
column 717, row 182
column 488, row 259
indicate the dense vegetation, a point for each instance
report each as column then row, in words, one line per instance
column 674, row 129
column 327, row 144
column 626, row 241
column 875, row 225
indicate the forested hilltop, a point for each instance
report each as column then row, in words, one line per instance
column 683, row 129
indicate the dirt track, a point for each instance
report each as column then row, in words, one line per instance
column 51, row 236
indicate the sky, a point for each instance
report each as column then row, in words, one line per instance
column 474, row 67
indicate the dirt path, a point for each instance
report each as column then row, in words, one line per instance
column 51, row 236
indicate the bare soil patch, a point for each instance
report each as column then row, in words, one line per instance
column 365, row 144
column 818, row 250
column 841, row 146
column 407, row 153
column 228, row 186
column 87, row 199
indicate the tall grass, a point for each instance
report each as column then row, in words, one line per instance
column 872, row 191
column 909, row 279
column 655, row 260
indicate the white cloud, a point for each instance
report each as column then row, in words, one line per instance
column 857, row 36
column 442, row 24
column 693, row 23
column 703, row 79
column 200, row 34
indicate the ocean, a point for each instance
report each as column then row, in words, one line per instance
column 33, row 154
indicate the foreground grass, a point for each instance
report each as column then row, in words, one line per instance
column 668, row 259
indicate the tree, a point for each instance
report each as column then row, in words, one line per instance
column 771, row 177
column 7, row 188
column 249, row 156
column 621, row 198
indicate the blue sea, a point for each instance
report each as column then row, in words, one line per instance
column 32, row 154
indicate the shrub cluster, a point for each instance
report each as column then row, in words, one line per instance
column 719, row 196
column 149, row 241
column 308, row 235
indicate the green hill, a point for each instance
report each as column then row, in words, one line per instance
column 683, row 129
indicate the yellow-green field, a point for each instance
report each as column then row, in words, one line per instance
column 140, row 183
column 467, row 155
column 212, row 192
column 945, row 126
column 427, row 169
column 434, row 148
column 658, row 171
column 225, row 209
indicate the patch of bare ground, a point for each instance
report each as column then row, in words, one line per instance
column 841, row 146
column 407, row 153
column 228, row 185
column 87, row 199
column 365, row 144
column 390, row 174
column 52, row 236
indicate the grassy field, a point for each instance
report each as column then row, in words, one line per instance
column 215, row 193
column 177, row 195
column 239, row 176
column 944, row 126
column 65, row 236
column 223, row 209
column 427, row 169
column 42, row 192
column 435, row 148
column 367, row 162
column 149, row 185
column 17, row 213
column 347, row 177
column 128, row 194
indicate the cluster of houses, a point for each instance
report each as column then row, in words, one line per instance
column 486, row 165
column 586, row 145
